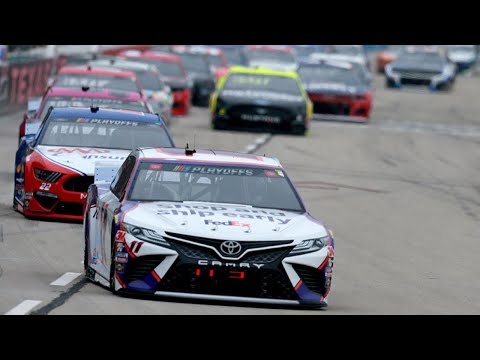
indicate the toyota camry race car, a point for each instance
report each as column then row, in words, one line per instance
column 262, row 99
column 205, row 224
column 55, row 163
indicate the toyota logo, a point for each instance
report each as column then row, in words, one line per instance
column 231, row 248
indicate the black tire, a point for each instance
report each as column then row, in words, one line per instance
column 299, row 130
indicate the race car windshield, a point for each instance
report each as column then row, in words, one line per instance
column 215, row 60
column 77, row 101
column 103, row 133
column 461, row 48
column 234, row 57
column 196, row 63
column 306, row 51
column 430, row 58
column 149, row 80
column 278, row 84
column 354, row 50
column 257, row 187
column 166, row 68
column 276, row 56
column 329, row 74
column 96, row 82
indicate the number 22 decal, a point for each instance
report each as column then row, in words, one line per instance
column 45, row 186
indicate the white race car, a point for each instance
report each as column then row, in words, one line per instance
column 205, row 225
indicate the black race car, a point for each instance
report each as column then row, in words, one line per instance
column 261, row 99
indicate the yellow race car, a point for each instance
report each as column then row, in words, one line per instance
column 261, row 99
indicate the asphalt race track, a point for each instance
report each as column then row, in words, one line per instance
column 402, row 195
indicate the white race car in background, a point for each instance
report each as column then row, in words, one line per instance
column 206, row 225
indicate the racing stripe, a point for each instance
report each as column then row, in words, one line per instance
column 298, row 285
column 62, row 165
column 155, row 275
column 120, row 280
column 323, row 263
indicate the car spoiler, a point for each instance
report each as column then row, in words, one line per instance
column 105, row 171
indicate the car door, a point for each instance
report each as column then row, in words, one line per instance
column 109, row 206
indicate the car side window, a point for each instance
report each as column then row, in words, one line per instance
column 120, row 182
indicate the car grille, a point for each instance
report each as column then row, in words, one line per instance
column 78, row 183
column 331, row 108
column 261, row 114
column 425, row 75
column 193, row 252
column 313, row 278
column 423, row 82
column 263, row 283
column 140, row 267
column 45, row 200
column 266, row 257
column 217, row 242
column 69, row 208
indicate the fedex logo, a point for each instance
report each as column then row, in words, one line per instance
column 226, row 223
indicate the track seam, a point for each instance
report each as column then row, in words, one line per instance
column 61, row 299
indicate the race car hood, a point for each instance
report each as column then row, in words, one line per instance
column 334, row 88
column 80, row 159
column 274, row 65
column 258, row 96
column 401, row 65
column 223, row 221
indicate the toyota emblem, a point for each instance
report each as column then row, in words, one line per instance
column 231, row 248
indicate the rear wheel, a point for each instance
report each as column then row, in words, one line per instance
column 299, row 130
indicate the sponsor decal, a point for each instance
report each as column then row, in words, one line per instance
column 28, row 195
column 120, row 236
column 155, row 167
column 328, row 282
column 83, row 196
column 121, row 257
column 18, row 187
column 59, row 151
column 120, row 268
column 280, row 173
column 226, row 223
column 277, row 217
column 119, row 246
column 227, row 265
column 104, row 157
column 108, row 122
column 330, row 262
column 26, row 203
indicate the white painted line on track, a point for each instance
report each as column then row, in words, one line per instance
column 65, row 279
column 24, row 307
column 250, row 148
column 257, row 143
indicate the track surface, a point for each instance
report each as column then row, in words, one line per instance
column 401, row 194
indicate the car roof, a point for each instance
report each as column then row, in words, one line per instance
column 123, row 64
column 160, row 56
column 278, row 48
column 96, row 71
column 103, row 93
column 326, row 62
column 261, row 71
column 102, row 113
column 208, row 156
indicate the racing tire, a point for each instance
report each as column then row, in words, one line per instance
column 299, row 130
